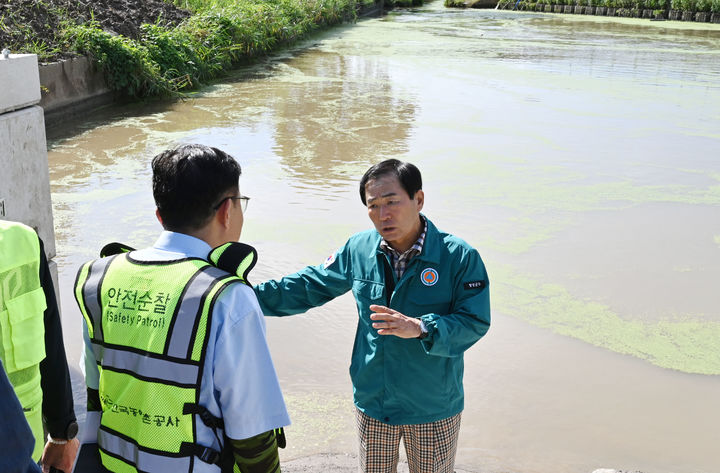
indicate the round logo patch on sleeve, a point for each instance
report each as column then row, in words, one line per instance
column 429, row 276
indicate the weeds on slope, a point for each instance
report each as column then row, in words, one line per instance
column 166, row 61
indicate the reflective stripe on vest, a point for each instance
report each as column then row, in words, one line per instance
column 182, row 333
column 148, row 323
column 120, row 448
column 147, row 367
column 22, row 324
column 91, row 297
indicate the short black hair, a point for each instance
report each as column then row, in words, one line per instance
column 189, row 181
column 407, row 174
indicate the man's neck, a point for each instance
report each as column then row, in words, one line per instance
column 203, row 234
column 409, row 244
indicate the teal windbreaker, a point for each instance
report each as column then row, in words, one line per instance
column 395, row 380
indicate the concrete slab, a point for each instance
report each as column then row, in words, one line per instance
column 20, row 82
column 24, row 176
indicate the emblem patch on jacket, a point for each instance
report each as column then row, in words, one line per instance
column 330, row 260
column 429, row 276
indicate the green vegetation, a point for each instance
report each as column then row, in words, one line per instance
column 166, row 47
column 220, row 34
column 19, row 27
column 615, row 7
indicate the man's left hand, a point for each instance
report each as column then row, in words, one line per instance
column 60, row 456
column 392, row 322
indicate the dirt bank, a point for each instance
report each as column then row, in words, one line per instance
column 39, row 22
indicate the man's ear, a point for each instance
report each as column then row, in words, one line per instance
column 157, row 214
column 420, row 199
column 223, row 213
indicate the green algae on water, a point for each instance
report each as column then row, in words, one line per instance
column 683, row 343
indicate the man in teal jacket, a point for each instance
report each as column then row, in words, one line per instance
column 422, row 298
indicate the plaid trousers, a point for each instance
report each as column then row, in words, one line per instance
column 430, row 447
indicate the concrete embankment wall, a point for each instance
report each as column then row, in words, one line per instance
column 71, row 87
column 24, row 176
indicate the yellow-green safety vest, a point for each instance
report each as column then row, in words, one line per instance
column 22, row 327
column 149, row 324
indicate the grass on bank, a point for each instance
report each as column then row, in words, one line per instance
column 220, row 34
column 166, row 60
column 18, row 27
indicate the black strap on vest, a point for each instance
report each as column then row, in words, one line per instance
column 230, row 256
column 115, row 248
column 224, row 458
column 206, row 454
column 205, row 415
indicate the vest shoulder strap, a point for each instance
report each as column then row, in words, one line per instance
column 235, row 258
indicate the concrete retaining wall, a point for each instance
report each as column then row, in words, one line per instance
column 71, row 87
column 24, row 176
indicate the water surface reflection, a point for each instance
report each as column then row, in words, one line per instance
column 581, row 155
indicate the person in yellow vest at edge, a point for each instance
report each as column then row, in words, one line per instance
column 31, row 346
column 176, row 362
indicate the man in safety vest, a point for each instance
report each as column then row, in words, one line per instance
column 423, row 299
column 31, row 346
column 176, row 359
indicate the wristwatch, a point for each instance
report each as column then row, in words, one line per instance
column 423, row 331
column 71, row 432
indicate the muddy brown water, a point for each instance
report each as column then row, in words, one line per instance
column 580, row 155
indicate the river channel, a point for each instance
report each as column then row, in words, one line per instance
column 580, row 155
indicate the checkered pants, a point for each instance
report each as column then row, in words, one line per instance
column 430, row 447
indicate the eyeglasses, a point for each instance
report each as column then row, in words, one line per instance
column 242, row 198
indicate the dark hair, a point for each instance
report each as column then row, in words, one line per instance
column 189, row 181
column 408, row 175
